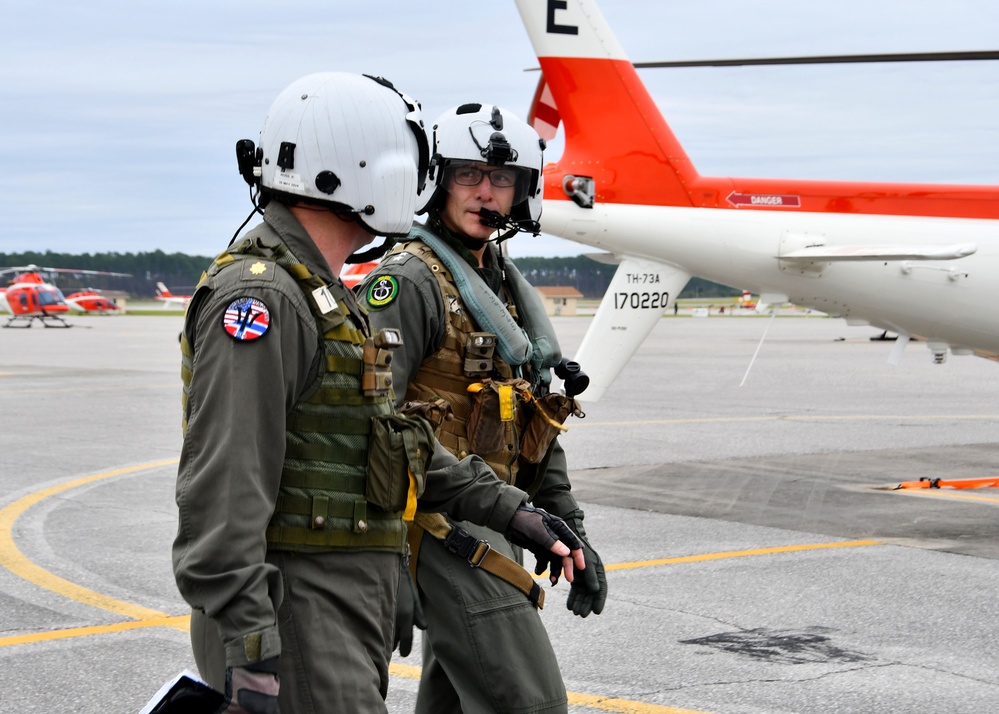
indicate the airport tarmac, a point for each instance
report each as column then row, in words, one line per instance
column 754, row 566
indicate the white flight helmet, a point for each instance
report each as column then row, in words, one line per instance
column 483, row 133
column 350, row 141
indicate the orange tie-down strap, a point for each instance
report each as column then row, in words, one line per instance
column 951, row 483
column 479, row 554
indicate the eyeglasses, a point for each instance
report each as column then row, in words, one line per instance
column 472, row 176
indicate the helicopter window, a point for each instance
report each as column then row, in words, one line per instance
column 46, row 297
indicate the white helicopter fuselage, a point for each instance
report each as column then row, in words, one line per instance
column 941, row 301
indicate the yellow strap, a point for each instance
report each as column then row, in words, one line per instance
column 543, row 413
column 410, row 511
column 434, row 523
column 506, row 402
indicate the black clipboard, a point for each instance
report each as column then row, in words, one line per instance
column 185, row 694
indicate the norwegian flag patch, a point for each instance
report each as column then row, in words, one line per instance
column 246, row 319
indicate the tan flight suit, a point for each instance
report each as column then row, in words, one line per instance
column 262, row 459
column 485, row 648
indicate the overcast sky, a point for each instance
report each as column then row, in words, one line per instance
column 119, row 118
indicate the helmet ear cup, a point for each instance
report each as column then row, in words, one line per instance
column 436, row 163
column 434, row 191
column 248, row 159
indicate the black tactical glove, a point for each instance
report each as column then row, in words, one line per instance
column 408, row 612
column 588, row 591
column 536, row 530
column 252, row 691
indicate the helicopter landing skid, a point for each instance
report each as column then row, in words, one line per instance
column 46, row 320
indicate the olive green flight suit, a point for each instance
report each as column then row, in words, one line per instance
column 485, row 648
column 328, row 614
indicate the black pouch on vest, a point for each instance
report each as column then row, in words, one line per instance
column 399, row 445
column 550, row 412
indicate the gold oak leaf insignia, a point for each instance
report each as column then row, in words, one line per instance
column 258, row 268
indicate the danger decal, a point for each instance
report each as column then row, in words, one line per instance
column 771, row 201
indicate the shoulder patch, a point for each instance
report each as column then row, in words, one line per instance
column 382, row 292
column 246, row 319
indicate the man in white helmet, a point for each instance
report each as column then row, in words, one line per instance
column 477, row 336
column 296, row 471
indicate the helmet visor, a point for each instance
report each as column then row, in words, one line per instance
column 503, row 177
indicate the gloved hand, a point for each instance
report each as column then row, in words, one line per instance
column 538, row 531
column 408, row 612
column 588, row 592
column 249, row 691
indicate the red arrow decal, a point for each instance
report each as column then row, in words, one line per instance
column 770, row 201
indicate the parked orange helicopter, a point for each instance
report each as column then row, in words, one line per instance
column 91, row 300
column 29, row 297
column 166, row 297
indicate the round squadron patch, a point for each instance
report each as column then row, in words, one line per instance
column 382, row 292
column 246, row 319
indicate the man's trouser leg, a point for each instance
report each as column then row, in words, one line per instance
column 436, row 694
column 490, row 650
column 336, row 625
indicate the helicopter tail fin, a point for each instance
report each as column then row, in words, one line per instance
column 614, row 132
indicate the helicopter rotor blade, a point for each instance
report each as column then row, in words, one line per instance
column 958, row 56
column 961, row 56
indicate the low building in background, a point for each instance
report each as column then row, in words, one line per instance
column 559, row 300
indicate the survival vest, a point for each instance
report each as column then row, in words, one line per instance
column 460, row 364
column 323, row 502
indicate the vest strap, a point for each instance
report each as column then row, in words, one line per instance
column 345, row 333
column 393, row 540
column 480, row 555
column 344, row 365
column 314, row 506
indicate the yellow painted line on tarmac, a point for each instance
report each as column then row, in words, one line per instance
column 606, row 704
column 178, row 622
column 611, row 704
column 741, row 554
column 16, row 562
column 791, row 417
column 406, row 671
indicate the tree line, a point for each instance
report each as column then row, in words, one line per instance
column 178, row 271
column 181, row 272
